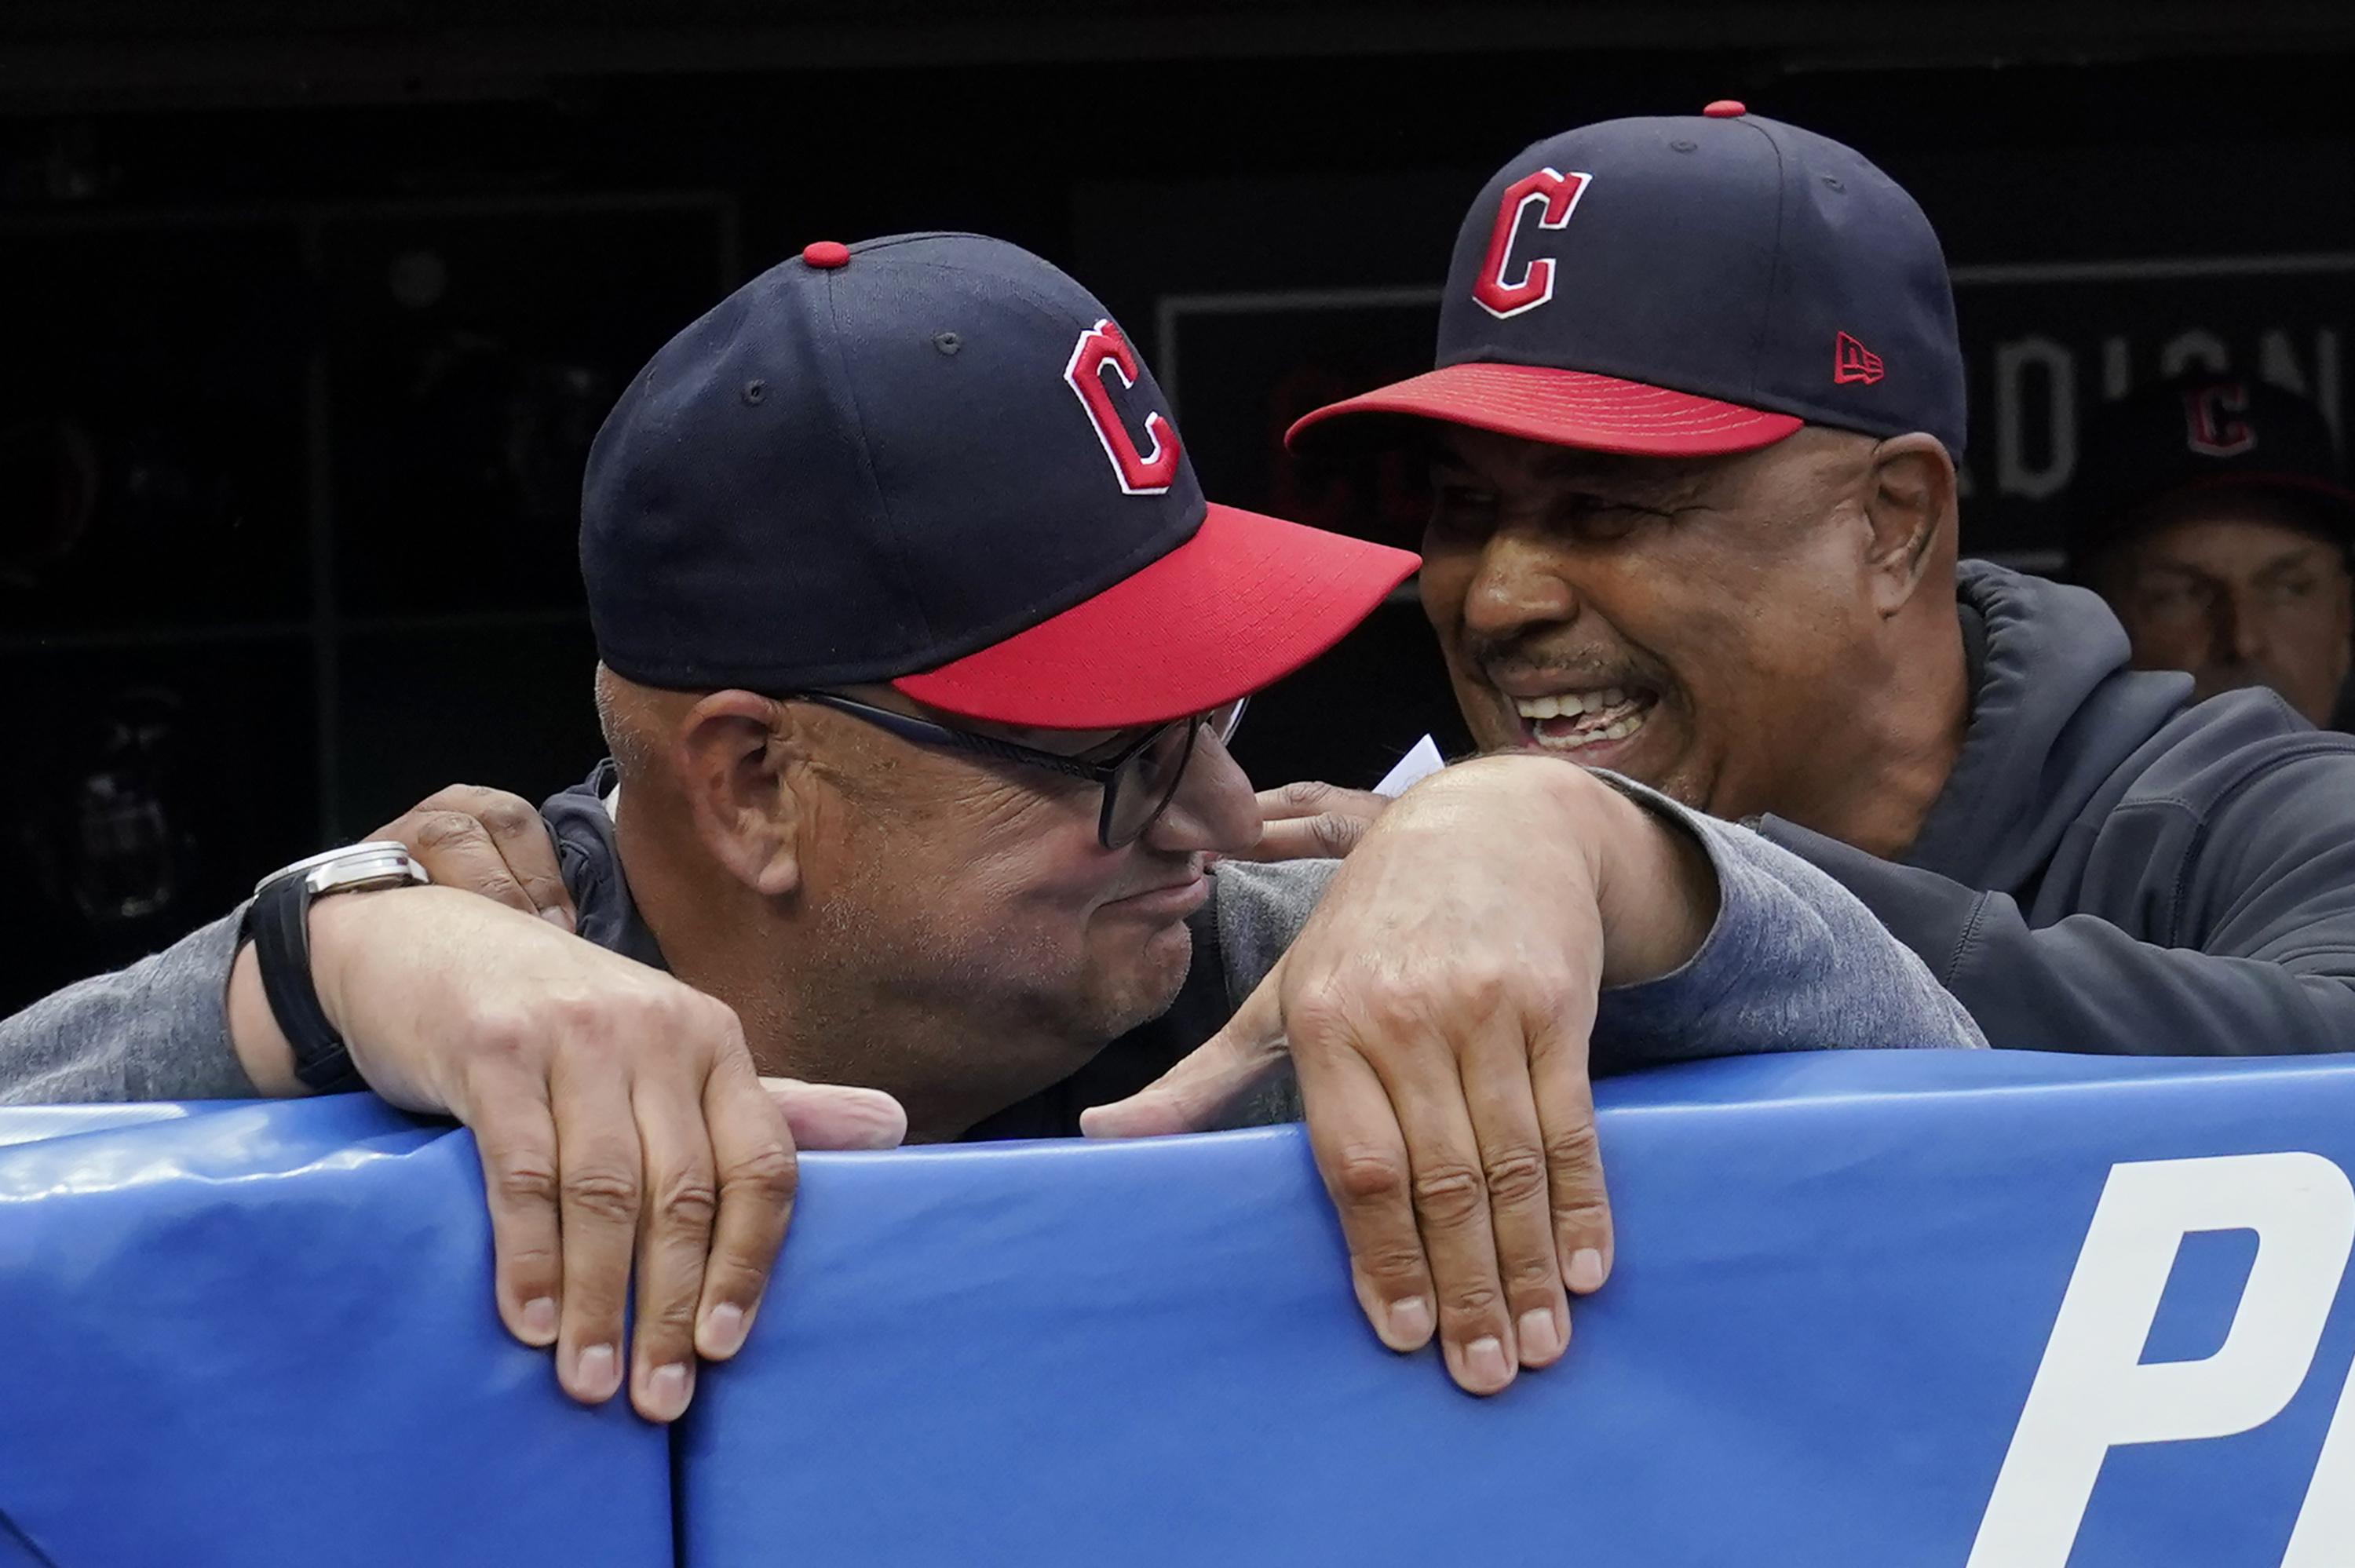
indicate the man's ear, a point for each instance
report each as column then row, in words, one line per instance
column 733, row 758
column 1911, row 510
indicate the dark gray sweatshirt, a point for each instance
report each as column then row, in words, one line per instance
column 2109, row 870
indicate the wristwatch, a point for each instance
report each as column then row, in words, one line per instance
column 277, row 923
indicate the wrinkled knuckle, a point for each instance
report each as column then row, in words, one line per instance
column 530, row 1265
column 1530, row 1274
column 1472, row 1298
column 1399, row 1265
column 686, row 1201
column 506, row 814
column 1304, row 793
column 1575, row 1148
column 767, row 1173
column 524, row 1181
column 1369, row 1175
column 601, row 1192
column 441, row 830
column 1449, row 1195
column 1514, row 1176
column 1336, row 833
column 671, row 1322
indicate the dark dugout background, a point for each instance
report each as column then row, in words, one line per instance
column 306, row 319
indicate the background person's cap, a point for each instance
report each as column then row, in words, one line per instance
column 933, row 460
column 1686, row 286
column 2200, row 431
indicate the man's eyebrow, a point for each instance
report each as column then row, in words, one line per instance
column 2291, row 559
column 1609, row 473
column 1602, row 475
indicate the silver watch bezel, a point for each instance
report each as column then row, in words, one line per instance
column 353, row 868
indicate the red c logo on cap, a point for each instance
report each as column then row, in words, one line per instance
column 1554, row 195
column 1140, row 473
column 2206, row 430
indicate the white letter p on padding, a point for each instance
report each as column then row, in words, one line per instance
column 2093, row 1392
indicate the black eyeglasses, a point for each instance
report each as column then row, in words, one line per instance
column 1139, row 779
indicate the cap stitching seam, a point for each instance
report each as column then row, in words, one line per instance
column 867, row 465
column 1775, row 277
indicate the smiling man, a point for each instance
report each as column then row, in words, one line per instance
column 1694, row 432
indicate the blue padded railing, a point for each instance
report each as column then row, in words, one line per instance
column 1849, row 1287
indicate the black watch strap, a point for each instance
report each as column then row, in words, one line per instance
column 278, row 923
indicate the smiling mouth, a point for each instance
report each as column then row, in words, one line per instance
column 1583, row 718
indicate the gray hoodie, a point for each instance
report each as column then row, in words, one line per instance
column 2110, row 870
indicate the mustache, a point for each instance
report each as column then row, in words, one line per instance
column 1493, row 657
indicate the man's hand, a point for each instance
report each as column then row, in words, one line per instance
column 1436, row 1008
column 617, row 1111
column 1313, row 822
column 487, row 842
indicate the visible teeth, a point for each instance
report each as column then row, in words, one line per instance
column 1570, row 704
column 1618, row 729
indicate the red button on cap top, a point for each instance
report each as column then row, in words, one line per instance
column 1725, row 109
column 826, row 253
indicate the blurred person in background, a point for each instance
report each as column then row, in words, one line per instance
column 2213, row 513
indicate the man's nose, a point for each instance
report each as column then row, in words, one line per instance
column 2240, row 630
column 1214, row 809
column 1519, row 583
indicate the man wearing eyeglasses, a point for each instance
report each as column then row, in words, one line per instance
column 919, row 650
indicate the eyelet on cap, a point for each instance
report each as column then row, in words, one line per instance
column 826, row 253
column 1726, row 108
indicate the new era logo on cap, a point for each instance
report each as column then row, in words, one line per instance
column 1852, row 361
column 1668, row 286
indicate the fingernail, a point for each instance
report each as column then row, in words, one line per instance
column 597, row 1371
column 558, row 918
column 667, row 1392
column 1541, row 1341
column 723, row 1330
column 1484, row 1358
column 1410, row 1322
column 539, row 1319
column 1585, row 1270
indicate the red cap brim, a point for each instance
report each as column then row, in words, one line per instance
column 1569, row 409
column 1245, row 601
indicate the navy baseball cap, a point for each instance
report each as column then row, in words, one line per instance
column 2204, row 431
column 1687, row 286
column 935, row 460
